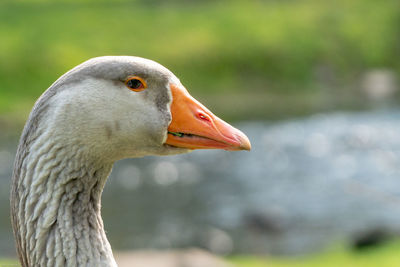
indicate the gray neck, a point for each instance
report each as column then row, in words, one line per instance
column 55, row 204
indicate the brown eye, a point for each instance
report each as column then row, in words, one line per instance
column 136, row 84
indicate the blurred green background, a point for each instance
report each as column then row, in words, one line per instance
column 268, row 59
column 247, row 60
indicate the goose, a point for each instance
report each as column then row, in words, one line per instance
column 103, row 110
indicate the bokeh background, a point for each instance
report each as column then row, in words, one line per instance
column 313, row 83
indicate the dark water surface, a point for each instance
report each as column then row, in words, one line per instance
column 307, row 183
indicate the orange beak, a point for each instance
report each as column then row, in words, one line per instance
column 193, row 126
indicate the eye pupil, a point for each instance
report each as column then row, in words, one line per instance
column 134, row 84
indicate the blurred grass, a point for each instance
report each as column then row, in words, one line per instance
column 9, row 263
column 241, row 52
column 386, row 255
column 383, row 256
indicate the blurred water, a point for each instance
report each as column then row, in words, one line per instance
column 306, row 183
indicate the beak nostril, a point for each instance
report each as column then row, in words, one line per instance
column 203, row 117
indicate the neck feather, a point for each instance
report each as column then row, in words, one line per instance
column 55, row 204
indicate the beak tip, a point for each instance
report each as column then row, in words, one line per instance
column 248, row 148
column 244, row 143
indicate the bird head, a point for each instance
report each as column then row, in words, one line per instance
column 120, row 106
